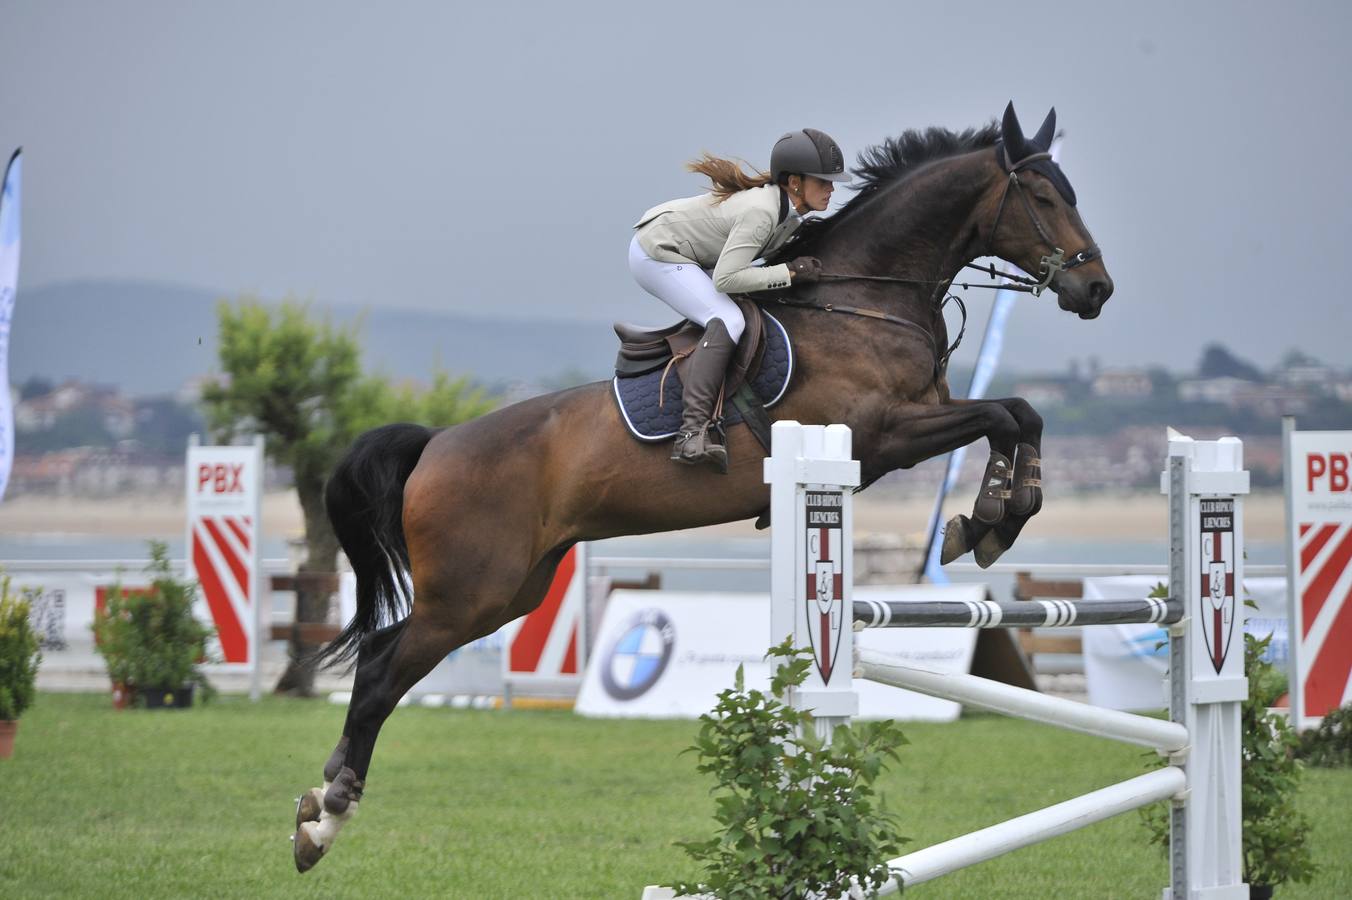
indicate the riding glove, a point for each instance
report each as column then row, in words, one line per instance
column 805, row 269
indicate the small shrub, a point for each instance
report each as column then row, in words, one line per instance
column 19, row 656
column 1329, row 745
column 798, row 818
column 150, row 639
column 1275, row 833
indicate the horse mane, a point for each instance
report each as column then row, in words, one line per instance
column 885, row 164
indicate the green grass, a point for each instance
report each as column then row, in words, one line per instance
column 526, row 804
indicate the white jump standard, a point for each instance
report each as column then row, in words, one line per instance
column 812, row 476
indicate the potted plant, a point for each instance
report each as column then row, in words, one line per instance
column 150, row 640
column 19, row 659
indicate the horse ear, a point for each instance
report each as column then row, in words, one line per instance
column 1012, row 133
column 1043, row 138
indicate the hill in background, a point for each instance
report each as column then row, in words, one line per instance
column 149, row 338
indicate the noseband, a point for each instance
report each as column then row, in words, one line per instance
column 1049, row 265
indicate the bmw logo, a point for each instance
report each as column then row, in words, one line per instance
column 639, row 657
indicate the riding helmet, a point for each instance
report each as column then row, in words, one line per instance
column 808, row 151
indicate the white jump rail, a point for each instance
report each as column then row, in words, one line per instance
column 812, row 476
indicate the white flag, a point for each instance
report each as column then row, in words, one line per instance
column 9, row 283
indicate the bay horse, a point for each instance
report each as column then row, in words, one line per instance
column 471, row 521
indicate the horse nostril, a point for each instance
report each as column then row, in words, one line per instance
column 1100, row 290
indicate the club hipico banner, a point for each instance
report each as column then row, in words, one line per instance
column 9, row 284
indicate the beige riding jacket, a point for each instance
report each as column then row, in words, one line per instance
column 725, row 237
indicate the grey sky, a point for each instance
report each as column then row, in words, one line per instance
column 491, row 157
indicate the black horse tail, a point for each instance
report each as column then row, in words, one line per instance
column 364, row 499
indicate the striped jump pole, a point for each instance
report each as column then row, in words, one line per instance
column 812, row 476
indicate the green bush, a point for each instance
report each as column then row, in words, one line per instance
column 1275, row 833
column 1330, row 745
column 150, row 639
column 19, row 655
column 798, row 818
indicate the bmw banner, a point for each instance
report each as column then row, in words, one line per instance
column 9, row 283
column 668, row 654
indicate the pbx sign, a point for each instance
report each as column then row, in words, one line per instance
column 1326, row 472
column 220, row 478
column 225, row 487
column 1319, row 558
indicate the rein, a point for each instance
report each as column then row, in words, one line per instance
column 940, row 359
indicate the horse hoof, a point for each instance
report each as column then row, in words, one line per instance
column 309, row 805
column 306, row 851
column 989, row 549
column 956, row 540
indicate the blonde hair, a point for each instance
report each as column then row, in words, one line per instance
column 726, row 175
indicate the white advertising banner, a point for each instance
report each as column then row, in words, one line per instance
column 668, row 654
column 225, row 488
column 62, row 612
column 1125, row 666
column 1319, row 547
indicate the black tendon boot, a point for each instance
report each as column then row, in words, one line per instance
column 702, row 382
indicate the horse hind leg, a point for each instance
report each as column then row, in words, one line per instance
column 447, row 613
column 318, row 822
column 393, row 665
column 310, row 805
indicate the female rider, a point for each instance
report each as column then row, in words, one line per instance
column 692, row 253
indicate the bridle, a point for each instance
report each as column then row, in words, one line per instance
column 1049, row 265
column 1048, row 268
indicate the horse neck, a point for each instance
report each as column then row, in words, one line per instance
column 922, row 227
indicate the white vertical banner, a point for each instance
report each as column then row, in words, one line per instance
column 9, row 284
column 225, row 492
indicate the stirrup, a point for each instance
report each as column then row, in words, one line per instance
column 713, row 453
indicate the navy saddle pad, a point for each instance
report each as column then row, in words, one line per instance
column 650, row 421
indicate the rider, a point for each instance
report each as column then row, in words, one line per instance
column 692, row 253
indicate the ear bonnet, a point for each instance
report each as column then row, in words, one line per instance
column 1014, row 147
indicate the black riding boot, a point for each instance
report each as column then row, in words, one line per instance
column 701, row 382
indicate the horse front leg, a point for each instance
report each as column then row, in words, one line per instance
column 989, row 537
column 915, row 432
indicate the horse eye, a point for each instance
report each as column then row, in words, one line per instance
column 1044, row 200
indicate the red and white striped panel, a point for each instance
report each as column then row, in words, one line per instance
column 545, row 644
column 222, row 560
column 1324, row 586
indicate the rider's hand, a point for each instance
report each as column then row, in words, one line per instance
column 805, row 269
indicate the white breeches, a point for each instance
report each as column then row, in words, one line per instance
column 686, row 288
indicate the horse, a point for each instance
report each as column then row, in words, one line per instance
column 453, row 533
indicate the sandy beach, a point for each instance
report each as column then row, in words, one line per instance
column 1088, row 517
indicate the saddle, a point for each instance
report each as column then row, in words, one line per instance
column 642, row 350
column 647, row 386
